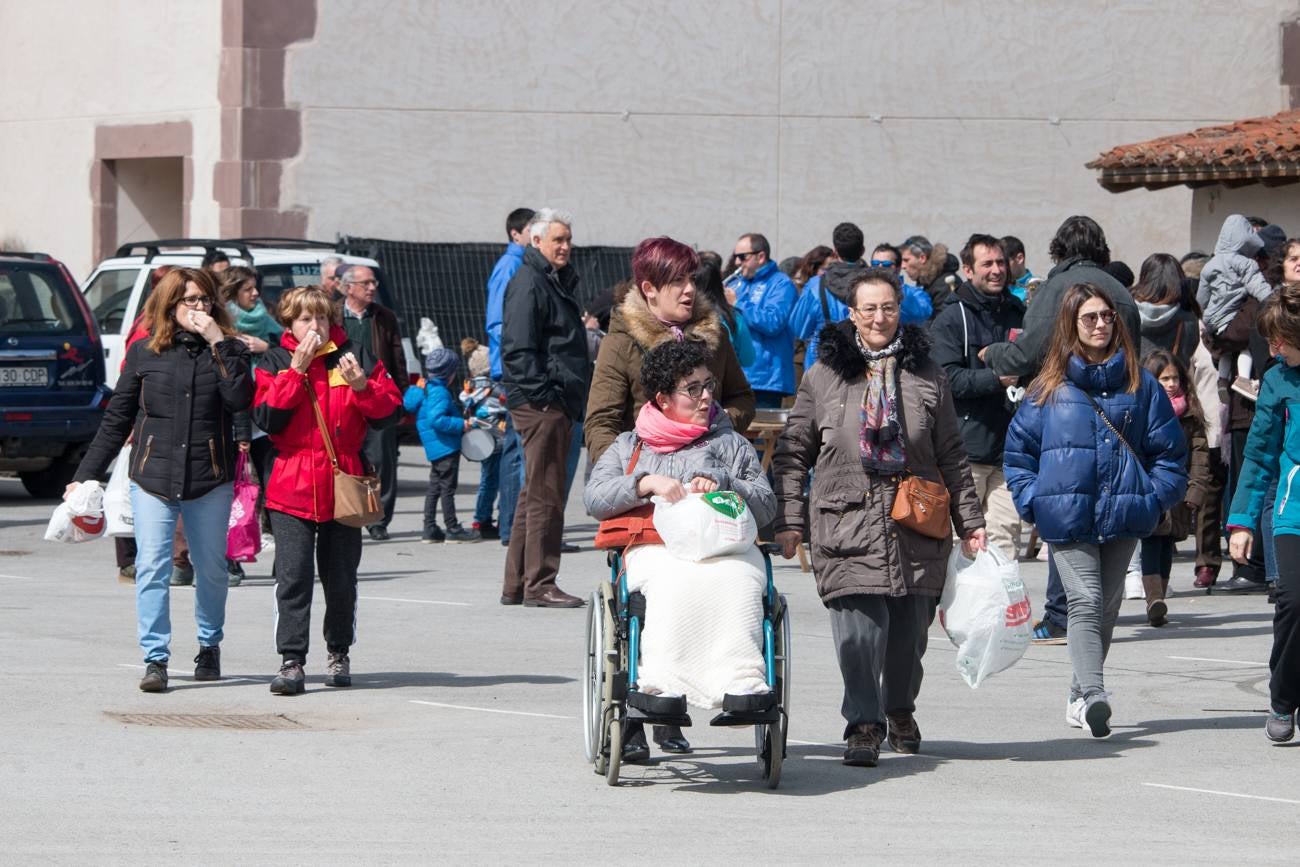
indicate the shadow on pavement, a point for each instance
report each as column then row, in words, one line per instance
column 401, row 679
column 1194, row 624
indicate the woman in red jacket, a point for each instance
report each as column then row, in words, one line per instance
column 355, row 393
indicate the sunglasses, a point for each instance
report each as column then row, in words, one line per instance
column 741, row 257
column 883, row 263
column 1089, row 320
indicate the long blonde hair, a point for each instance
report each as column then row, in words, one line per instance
column 1064, row 342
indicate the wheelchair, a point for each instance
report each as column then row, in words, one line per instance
column 614, row 618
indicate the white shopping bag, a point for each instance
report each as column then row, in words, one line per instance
column 117, row 497
column 79, row 518
column 986, row 613
column 700, row 526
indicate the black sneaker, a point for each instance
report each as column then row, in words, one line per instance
column 234, row 573
column 207, row 665
column 155, row 677
column 1047, row 632
column 290, row 680
column 182, row 576
column 338, row 671
column 487, row 530
column 459, row 534
column 433, row 537
column 379, row 533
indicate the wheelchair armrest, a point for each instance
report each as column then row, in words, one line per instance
column 770, row 549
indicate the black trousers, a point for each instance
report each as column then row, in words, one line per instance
column 1284, row 661
column 337, row 553
column 1158, row 556
column 380, row 451
column 444, row 475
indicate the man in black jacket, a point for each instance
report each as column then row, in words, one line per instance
column 546, row 374
column 982, row 311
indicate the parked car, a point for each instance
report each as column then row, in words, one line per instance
column 52, row 377
column 119, row 286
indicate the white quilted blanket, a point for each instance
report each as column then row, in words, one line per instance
column 703, row 632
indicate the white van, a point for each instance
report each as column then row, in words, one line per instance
column 118, row 287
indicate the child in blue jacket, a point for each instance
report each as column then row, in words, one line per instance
column 440, row 423
column 1273, row 453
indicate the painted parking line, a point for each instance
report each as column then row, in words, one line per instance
column 1208, row 659
column 19, row 577
column 490, row 709
column 1224, row 794
column 418, row 601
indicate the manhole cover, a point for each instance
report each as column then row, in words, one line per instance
column 264, row 721
column 14, row 553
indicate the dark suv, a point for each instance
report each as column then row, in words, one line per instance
column 52, row 391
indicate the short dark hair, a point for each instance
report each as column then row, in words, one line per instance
column 214, row 257
column 875, row 275
column 979, row 240
column 848, row 242
column 1121, row 272
column 1080, row 237
column 888, row 248
column 518, row 220
column 669, row 363
column 758, row 243
column 1012, row 246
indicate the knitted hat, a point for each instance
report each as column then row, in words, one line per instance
column 1273, row 237
column 479, row 362
column 441, row 364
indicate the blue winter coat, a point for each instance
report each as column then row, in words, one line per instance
column 1272, row 452
column 766, row 302
column 1072, row 477
column 502, row 271
column 438, row 418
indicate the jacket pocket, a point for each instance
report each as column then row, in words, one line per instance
column 840, row 525
column 144, row 455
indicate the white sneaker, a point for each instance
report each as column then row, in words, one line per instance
column 1097, row 714
column 268, row 541
column 1133, row 586
column 1074, row 713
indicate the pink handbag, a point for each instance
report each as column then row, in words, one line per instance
column 244, row 537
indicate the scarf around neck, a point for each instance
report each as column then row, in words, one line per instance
column 1180, row 404
column 880, row 443
column 663, row 435
column 258, row 322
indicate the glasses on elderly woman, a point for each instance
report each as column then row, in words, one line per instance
column 696, row 389
column 869, row 311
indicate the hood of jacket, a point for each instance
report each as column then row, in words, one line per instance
column 1238, row 236
column 838, row 277
column 634, row 317
column 1109, row 375
column 839, row 351
column 939, row 263
column 1157, row 318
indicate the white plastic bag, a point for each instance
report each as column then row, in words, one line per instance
column 80, row 518
column 117, row 497
column 986, row 613
column 700, row 526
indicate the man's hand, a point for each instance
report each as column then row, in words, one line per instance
column 661, row 486
column 1239, row 545
column 980, row 354
column 730, row 295
column 352, row 372
column 1008, row 381
column 789, row 540
column 305, row 352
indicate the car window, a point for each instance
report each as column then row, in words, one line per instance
column 276, row 279
column 32, row 302
column 108, row 294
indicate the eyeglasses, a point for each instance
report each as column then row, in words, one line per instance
column 883, row 263
column 740, row 257
column 869, row 312
column 370, row 282
column 194, row 302
column 696, row 389
column 1089, row 320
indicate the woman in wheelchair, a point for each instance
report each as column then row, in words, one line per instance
column 702, row 638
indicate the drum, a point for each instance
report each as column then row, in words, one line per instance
column 478, row 444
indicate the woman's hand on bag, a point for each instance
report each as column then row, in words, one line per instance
column 244, row 446
column 975, row 541
column 352, row 372
column 661, row 486
column 72, row 486
column 703, row 485
column 789, row 540
column 305, row 352
column 1239, row 545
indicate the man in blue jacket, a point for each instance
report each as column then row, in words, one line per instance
column 511, row 466
column 765, row 297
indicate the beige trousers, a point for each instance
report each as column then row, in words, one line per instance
column 1002, row 522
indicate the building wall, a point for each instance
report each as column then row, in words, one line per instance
column 1210, row 205
column 428, row 121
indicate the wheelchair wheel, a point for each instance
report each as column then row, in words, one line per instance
column 615, row 751
column 770, row 739
column 593, row 679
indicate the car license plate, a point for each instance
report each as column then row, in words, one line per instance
column 16, row 377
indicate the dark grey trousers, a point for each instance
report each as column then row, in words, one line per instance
column 880, row 641
column 336, row 551
column 380, row 451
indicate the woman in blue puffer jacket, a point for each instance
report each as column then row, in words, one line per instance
column 1093, row 457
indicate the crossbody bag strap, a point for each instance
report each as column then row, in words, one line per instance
column 636, row 456
column 1106, row 421
column 320, row 422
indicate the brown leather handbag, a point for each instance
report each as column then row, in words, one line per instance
column 922, row 507
column 634, row 527
column 356, row 498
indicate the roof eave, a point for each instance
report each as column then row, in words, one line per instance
column 1123, row 178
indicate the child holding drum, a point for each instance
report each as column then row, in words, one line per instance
column 440, row 423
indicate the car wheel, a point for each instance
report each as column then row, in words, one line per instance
column 48, row 484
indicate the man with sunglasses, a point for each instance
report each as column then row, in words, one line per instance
column 765, row 297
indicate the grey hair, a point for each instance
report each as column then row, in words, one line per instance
column 918, row 245
column 542, row 220
column 327, row 263
column 346, row 275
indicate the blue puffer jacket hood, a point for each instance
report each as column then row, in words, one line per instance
column 1072, row 477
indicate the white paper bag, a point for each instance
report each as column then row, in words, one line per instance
column 117, row 497
column 700, row 526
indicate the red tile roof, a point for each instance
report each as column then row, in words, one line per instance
column 1259, row 149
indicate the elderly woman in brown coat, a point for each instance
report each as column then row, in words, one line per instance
column 873, row 410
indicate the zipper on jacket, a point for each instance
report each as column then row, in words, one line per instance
column 148, row 445
column 221, row 365
column 212, row 450
column 1281, row 504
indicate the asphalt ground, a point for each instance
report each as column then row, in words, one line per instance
column 460, row 740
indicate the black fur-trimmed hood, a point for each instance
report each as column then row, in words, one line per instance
column 839, row 351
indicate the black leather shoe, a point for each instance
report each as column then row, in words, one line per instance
column 569, row 548
column 670, row 739
column 635, row 749
column 379, row 533
column 1237, row 584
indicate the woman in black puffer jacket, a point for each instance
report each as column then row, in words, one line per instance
column 177, row 396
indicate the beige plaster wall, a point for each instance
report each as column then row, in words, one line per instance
column 1211, row 205
column 70, row 66
column 429, row 121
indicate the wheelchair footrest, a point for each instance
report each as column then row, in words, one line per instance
column 747, row 710
column 659, row 709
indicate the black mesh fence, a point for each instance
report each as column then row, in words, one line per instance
column 448, row 282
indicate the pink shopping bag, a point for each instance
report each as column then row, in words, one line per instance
column 244, row 539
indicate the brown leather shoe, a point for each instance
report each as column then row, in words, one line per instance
column 904, row 733
column 516, row 599
column 554, row 597
column 863, row 748
column 1205, row 578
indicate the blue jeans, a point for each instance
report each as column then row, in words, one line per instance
column 510, row 474
column 489, row 482
column 206, row 524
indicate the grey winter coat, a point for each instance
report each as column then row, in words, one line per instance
column 1231, row 274
column 856, row 547
column 722, row 455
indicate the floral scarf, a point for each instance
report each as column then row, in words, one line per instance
column 881, row 439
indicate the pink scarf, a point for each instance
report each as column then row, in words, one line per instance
column 1180, row 404
column 663, row 435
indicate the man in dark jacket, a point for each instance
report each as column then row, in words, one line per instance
column 931, row 267
column 373, row 326
column 546, row 374
column 1080, row 252
column 982, row 311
